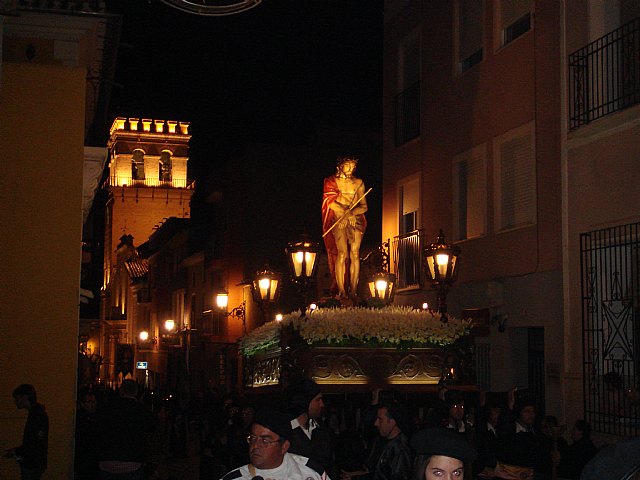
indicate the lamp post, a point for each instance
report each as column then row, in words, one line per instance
column 265, row 289
column 441, row 260
column 222, row 301
column 381, row 284
column 302, row 256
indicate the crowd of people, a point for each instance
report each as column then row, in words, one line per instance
column 120, row 434
column 495, row 436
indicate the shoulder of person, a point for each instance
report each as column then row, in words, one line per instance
column 233, row 474
column 308, row 462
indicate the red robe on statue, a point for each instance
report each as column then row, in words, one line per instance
column 330, row 194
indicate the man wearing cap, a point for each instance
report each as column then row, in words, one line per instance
column 309, row 437
column 269, row 443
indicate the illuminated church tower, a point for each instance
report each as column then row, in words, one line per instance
column 147, row 184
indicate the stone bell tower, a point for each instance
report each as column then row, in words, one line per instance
column 147, row 180
column 147, row 184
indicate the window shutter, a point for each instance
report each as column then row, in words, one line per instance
column 517, row 183
column 410, row 197
column 470, row 194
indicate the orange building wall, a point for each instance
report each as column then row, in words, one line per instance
column 41, row 151
column 136, row 211
column 506, row 90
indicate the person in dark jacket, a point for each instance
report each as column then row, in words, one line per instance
column 396, row 460
column 574, row 457
column 310, row 437
column 86, row 451
column 521, row 443
column 32, row 454
column 125, row 431
column 485, row 438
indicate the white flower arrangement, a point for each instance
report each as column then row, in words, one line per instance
column 394, row 326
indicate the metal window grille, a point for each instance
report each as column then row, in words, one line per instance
column 407, row 260
column 610, row 269
column 408, row 114
column 605, row 75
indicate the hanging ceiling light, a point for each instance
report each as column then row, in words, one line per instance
column 213, row 8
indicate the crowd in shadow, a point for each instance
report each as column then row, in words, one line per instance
column 126, row 433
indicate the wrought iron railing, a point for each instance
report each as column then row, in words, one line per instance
column 408, row 114
column 119, row 181
column 407, row 260
column 605, row 75
column 610, row 269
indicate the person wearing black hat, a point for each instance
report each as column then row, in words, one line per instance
column 442, row 454
column 269, row 443
column 310, row 437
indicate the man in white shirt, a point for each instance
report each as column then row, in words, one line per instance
column 268, row 452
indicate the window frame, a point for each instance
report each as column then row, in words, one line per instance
column 459, row 64
column 477, row 153
column 499, row 30
column 515, row 133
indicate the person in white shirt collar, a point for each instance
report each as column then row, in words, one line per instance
column 269, row 443
column 310, row 437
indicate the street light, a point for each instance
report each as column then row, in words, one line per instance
column 222, row 301
column 381, row 283
column 265, row 285
column 441, row 260
column 302, row 256
column 169, row 325
column 265, row 288
column 381, row 286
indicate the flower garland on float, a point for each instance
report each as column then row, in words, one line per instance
column 398, row 327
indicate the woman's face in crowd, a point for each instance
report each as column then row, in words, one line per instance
column 444, row 468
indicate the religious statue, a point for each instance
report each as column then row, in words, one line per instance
column 343, row 225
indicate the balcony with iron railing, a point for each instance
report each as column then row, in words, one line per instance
column 406, row 259
column 407, row 109
column 120, row 181
column 605, row 75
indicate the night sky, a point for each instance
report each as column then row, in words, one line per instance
column 276, row 74
column 272, row 73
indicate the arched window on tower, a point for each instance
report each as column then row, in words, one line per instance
column 165, row 166
column 137, row 165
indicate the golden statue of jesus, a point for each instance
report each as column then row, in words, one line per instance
column 343, row 225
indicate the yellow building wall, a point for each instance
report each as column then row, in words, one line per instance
column 42, row 111
column 139, row 211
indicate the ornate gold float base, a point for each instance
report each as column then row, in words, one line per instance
column 344, row 366
column 357, row 366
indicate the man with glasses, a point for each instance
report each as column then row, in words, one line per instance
column 268, row 452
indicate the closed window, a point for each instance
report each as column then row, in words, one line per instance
column 407, row 102
column 409, row 197
column 470, row 194
column 515, row 179
column 469, row 29
column 513, row 18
